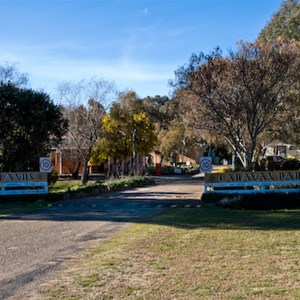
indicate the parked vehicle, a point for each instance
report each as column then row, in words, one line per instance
column 290, row 164
column 287, row 151
column 274, row 162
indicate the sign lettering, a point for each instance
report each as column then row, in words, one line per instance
column 262, row 176
column 13, row 183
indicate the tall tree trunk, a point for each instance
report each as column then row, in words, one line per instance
column 84, row 177
column 133, row 160
column 117, row 164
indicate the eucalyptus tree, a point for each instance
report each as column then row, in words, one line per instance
column 284, row 24
column 139, row 128
column 284, row 27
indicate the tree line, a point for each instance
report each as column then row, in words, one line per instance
column 239, row 101
column 94, row 122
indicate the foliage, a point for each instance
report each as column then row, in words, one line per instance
column 285, row 23
column 134, row 181
column 238, row 97
column 176, row 140
column 174, row 137
column 223, row 170
column 284, row 28
column 64, row 186
column 52, row 178
column 266, row 201
column 290, row 164
column 172, row 134
column 113, row 143
column 171, row 141
column 127, row 131
column 29, row 125
column 74, row 186
column 161, row 111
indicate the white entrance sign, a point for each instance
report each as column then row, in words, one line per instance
column 205, row 164
column 253, row 182
column 21, row 183
column 45, row 164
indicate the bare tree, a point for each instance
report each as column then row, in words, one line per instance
column 10, row 74
column 239, row 96
column 85, row 104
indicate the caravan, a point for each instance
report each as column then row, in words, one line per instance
column 286, row 151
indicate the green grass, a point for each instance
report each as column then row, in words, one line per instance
column 193, row 254
column 64, row 186
column 114, row 184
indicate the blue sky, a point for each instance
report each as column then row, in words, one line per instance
column 136, row 43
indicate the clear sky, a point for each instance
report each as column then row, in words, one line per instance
column 136, row 43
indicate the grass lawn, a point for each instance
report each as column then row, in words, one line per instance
column 65, row 185
column 194, row 253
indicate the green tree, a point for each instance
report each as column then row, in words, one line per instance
column 161, row 111
column 170, row 142
column 140, row 130
column 29, row 125
column 178, row 140
column 284, row 24
column 284, row 28
column 113, row 143
column 127, row 130
column 169, row 127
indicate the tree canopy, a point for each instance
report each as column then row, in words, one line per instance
column 238, row 96
column 285, row 23
column 127, row 131
column 284, row 28
column 29, row 125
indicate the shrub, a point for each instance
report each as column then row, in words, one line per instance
column 223, row 170
column 109, row 185
column 290, row 164
column 253, row 201
column 52, row 178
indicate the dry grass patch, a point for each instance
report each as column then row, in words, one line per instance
column 192, row 254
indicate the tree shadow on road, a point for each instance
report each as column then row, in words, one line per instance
column 165, row 205
column 165, row 208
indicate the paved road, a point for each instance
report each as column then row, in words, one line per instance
column 35, row 246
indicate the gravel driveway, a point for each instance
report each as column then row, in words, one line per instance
column 33, row 247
